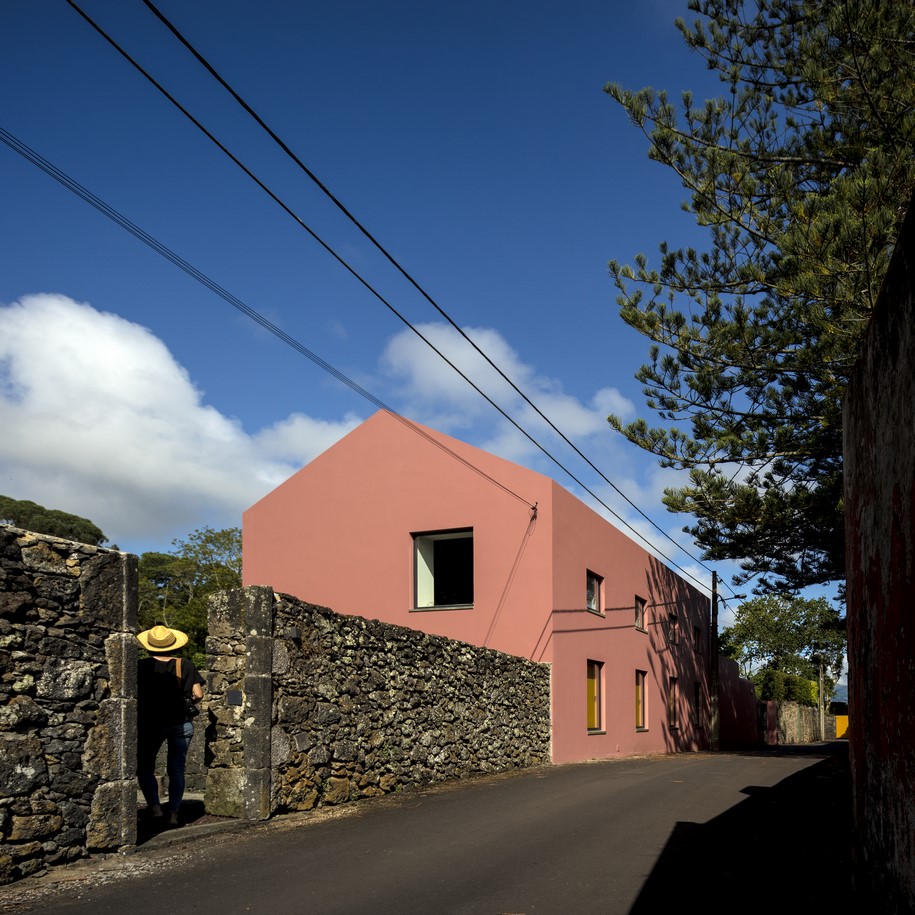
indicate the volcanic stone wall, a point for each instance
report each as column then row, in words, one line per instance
column 879, row 451
column 312, row 708
column 67, row 712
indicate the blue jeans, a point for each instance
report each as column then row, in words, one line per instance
column 179, row 739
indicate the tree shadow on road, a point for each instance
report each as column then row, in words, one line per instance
column 784, row 849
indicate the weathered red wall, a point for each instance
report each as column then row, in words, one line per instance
column 879, row 446
column 737, row 708
column 338, row 533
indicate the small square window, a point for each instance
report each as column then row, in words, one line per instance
column 640, row 613
column 673, row 628
column 443, row 569
column 594, row 587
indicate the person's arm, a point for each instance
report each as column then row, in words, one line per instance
column 196, row 683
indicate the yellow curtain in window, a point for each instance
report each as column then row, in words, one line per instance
column 593, row 696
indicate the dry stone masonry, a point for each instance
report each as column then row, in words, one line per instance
column 311, row 708
column 67, row 712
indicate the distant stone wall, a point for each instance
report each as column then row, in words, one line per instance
column 801, row 724
column 311, row 708
column 879, row 451
column 67, row 712
column 748, row 722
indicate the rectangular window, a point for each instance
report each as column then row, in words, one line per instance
column 443, row 569
column 595, row 697
column 594, row 586
column 640, row 613
column 672, row 702
column 640, row 700
column 673, row 628
column 697, row 638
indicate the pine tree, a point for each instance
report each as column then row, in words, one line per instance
column 800, row 172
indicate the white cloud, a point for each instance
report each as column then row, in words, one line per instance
column 299, row 438
column 434, row 388
column 438, row 396
column 101, row 421
column 106, row 424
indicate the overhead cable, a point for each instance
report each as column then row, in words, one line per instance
column 72, row 185
column 387, row 304
column 403, row 272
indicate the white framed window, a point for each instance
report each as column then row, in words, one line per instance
column 640, row 613
column 443, row 569
column 593, row 590
column 595, row 697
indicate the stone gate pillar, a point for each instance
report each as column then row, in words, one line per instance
column 240, row 689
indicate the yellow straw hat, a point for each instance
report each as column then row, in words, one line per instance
column 162, row 639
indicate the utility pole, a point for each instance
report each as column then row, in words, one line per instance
column 821, row 701
column 713, row 685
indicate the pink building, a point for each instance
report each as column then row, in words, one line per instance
column 400, row 523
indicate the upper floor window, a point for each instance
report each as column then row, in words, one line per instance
column 673, row 628
column 594, row 586
column 697, row 638
column 443, row 569
column 640, row 612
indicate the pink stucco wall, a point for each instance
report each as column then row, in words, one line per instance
column 582, row 540
column 339, row 533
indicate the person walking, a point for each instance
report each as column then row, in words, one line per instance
column 168, row 690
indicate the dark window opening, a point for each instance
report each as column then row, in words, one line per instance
column 453, row 571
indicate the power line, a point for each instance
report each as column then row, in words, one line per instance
column 86, row 195
column 392, row 260
column 72, row 185
column 388, row 305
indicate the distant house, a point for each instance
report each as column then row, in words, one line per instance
column 401, row 523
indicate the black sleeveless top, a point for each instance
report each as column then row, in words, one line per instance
column 160, row 697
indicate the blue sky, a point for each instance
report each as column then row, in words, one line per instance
column 475, row 142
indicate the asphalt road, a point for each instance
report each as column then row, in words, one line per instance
column 726, row 832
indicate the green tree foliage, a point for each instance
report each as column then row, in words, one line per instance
column 776, row 684
column 774, row 637
column 33, row 517
column 175, row 587
column 800, row 172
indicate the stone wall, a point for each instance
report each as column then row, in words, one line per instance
column 801, row 724
column 879, row 452
column 311, row 708
column 747, row 722
column 67, row 712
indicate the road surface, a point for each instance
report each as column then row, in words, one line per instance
column 706, row 832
